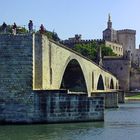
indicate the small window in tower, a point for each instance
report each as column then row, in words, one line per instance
column 121, row 68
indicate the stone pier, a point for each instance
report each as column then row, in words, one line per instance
column 55, row 106
column 111, row 98
column 59, row 106
column 121, row 96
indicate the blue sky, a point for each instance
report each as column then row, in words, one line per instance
column 70, row 17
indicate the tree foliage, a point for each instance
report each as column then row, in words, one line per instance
column 52, row 35
column 91, row 50
column 107, row 51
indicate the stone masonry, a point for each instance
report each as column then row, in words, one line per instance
column 59, row 106
column 16, row 67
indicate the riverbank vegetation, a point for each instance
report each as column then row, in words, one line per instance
column 134, row 96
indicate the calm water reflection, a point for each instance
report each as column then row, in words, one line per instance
column 120, row 124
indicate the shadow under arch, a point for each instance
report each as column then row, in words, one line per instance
column 73, row 77
column 111, row 84
column 100, row 85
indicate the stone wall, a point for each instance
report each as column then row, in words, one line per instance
column 58, row 106
column 121, row 96
column 135, row 79
column 54, row 106
column 111, row 98
column 15, row 77
column 120, row 67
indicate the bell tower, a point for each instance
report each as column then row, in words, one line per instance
column 109, row 33
column 109, row 23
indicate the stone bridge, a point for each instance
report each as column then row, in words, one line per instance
column 58, row 67
column 33, row 69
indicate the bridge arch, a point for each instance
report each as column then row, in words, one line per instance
column 111, row 84
column 73, row 76
column 100, row 83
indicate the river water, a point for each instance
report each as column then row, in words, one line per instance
column 120, row 124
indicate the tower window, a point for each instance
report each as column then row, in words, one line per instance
column 121, row 68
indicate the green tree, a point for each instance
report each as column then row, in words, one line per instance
column 107, row 51
column 51, row 35
column 91, row 50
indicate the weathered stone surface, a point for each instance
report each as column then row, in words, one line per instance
column 55, row 107
column 135, row 79
column 121, row 68
column 121, row 97
column 111, row 98
column 16, row 68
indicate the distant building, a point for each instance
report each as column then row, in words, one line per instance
column 127, row 62
column 116, row 47
column 77, row 39
column 109, row 33
column 120, row 66
column 126, row 66
column 125, row 37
